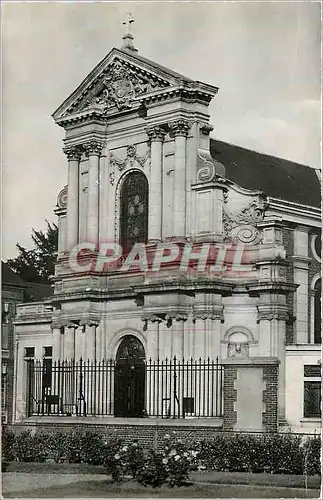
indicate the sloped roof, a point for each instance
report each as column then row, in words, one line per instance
column 38, row 291
column 9, row 277
column 277, row 177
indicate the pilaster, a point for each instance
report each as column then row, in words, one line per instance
column 179, row 129
column 156, row 135
column 301, row 262
column 93, row 151
column 73, row 154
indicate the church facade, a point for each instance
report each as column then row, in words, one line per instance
column 183, row 288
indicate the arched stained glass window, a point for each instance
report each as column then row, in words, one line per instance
column 317, row 312
column 134, row 211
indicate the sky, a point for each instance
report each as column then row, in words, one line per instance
column 264, row 57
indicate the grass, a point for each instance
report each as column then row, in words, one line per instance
column 105, row 489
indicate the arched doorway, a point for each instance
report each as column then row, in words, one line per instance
column 129, row 387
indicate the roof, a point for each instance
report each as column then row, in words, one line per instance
column 277, row 177
column 9, row 277
column 38, row 291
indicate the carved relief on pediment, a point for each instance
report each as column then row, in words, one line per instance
column 118, row 86
column 242, row 226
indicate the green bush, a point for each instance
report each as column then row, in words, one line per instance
column 7, row 440
column 233, row 452
column 312, row 457
column 272, row 453
column 152, row 471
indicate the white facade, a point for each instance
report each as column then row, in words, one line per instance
column 130, row 115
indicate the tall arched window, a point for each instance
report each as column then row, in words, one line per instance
column 134, row 211
column 317, row 312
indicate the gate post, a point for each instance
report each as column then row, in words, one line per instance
column 250, row 394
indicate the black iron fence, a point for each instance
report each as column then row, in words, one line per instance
column 168, row 389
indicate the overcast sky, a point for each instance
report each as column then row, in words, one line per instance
column 265, row 57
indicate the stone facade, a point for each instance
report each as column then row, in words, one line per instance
column 133, row 123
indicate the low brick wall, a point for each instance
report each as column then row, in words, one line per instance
column 148, row 432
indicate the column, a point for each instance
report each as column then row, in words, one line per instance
column 90, row 338
column 179, row 129
column 272, row 317
column 79, row 343
column 154, row 376
column 56, row 343
column 153, row 322
column 199, row 336
column 93, row 150
column 105, row 214
column 156, row 135
column 300, row 265
column 69, row 342
column 73, row 154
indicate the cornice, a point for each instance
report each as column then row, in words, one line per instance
column 280, row 287
column 294, row 212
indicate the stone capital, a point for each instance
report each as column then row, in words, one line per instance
column 156, row 133
column 153, row 318
column 176, row 316
column 93, row 147
column 206, row 313
column 179, row 127
column 270, row 314
column 73, row 153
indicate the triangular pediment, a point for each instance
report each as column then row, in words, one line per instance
column 118, row 82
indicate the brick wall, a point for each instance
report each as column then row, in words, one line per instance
column 270, row 398
column 151, row 436
column 229, row 397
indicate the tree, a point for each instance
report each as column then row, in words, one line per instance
column 38, row 264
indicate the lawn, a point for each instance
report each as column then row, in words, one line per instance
column 105, row 489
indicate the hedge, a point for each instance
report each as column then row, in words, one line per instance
column 235, row 452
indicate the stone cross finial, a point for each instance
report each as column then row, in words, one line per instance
column 128, row 37
column 128, row 21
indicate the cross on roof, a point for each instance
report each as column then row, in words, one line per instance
column 128, row 21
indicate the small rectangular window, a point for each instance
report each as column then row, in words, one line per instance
column 312, row 371
column 48, row 351
column 29, row 352
column 312, row 399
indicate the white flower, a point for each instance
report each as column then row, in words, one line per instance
column 125, row 448
column 177, row 457
column 172, row 453
column 116, row 456
column 165, row 461
column 303, row 441
column 167, row 436
column 194, row 453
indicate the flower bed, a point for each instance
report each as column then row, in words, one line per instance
column 172, row 463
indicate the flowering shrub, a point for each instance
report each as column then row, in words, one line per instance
column 152, row 471
column 179, row 460
column 123, row 459
column 272, row 453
